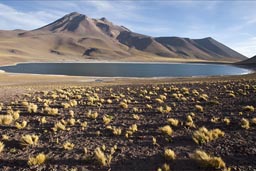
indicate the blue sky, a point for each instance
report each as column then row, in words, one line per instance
column 230, row 22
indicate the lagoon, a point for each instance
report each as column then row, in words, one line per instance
column 127, row 69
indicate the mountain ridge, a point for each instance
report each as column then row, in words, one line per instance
column 76, row 36
column 250, row 61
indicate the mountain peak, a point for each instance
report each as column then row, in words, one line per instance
column 74, row 14
column 103, row 19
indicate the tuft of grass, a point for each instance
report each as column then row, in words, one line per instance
column 83, row 125
column 92, row 115
column 5, row 137
column 169, row 154
column 203, row 135
column 173, row 122
column 15, row 115
column 133, row 128
column 123, row 105
column 199, row 108
column 208, row 161
column 190, row 122
column 6, row 119
column 164, row 110
column 154, row 141
column 29, row 139
column 32, row 108
column 245, row 123
column 37, row 160
column 167, row 130
column 116, row 131
column 21, row 125
column 248, row 108
column 103, row 160
column 149, row 106
column 68, row 146
column 160, row 101
column 203, row 97
column 51, row 111
column 59, row 126
column 1, row 146
column 72, row 121
column 226, row 121
column 135, row 116
column 109, row 101
column 42, row 120
column 165, row 167
column 107, row 119
column 254, row 121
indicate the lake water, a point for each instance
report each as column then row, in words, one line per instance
column 126, row 69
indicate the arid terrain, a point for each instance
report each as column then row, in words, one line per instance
column 149, row 123
column 107, row 124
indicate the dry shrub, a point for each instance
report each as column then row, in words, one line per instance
column 208, row 161
column 203, row 135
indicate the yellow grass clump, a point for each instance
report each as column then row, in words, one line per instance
column 164, row 110
column 248, row 108
column 189, row 121
column 32, row 108
column 154, row 141
column 29, row 140
column 37, row 160
column 203, row 97
column 106, row 119
column 245, row 123
column 92, row 115
column 133, row 128
column 169, row 154
column 68, row 146
column 116, row 131
column 149, row 106
column 109, row 101
column 21, row 125
column 173, row 122
column 203, row 135
column 167, row 130
column 165, row 167
column 208, row 161
column 199, row 108
column 254, row 121
column 160, row 101
column 42, row 120
column 1, row 146
column 15, row 114
column 72, row 121
column 83, row 125
column 5, row 137
column 226, row 121
column 59, row 126
column 123, row 105
column 102, row 159
column 6, row 119
column 51, row 111
column 135, row 116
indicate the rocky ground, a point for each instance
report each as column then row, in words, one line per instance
column 118, row 127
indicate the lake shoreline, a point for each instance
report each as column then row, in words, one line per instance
column 129, row 71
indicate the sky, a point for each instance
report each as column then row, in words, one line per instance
column 229, row 22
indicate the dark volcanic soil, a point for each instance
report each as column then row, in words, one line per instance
column 237, row 148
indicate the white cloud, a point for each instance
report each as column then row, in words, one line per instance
column 14, row 19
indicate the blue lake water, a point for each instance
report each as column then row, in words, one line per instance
column 127, row 69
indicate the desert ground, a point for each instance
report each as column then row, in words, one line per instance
column 85, row 123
